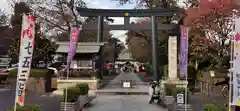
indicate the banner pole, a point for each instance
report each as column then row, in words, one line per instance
column 15, row 100
column 186, row 83
column 65, row 106
column 16, row 89
column 230, row 76
column 186, row 75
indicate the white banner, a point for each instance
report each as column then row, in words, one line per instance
column 25, row 57
column 236, row 71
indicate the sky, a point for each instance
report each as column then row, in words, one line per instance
column 101, row 4
column 110, row 4
column 4, row 5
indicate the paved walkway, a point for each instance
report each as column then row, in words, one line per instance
column 117, row 81
column 109, row 97
column 114, row 85
column 46, row 102
column 122, row 103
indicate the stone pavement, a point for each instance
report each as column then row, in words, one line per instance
column 122, row 103
column 46, row 102
column 134, row 91
column 117, row 81
column 109, row 98
column 114, row 85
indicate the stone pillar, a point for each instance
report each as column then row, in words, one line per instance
column 172, row 58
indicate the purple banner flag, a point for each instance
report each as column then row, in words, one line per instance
column 183, row 52
column 73, row 44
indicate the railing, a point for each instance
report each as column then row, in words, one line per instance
column 214, row 93
column 209, row 88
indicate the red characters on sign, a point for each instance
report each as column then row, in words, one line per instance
column 28, row 31
column 237, row 38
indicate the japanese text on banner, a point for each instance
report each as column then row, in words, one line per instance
column 183, row 51
column 73, row 44
column 236, row 71
column 25, row 57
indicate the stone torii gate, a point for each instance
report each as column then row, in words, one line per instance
column 127, row 13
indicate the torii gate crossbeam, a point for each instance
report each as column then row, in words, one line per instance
column 130, row 12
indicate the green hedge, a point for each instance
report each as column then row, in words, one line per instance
column 148, row 69
column 165, row 71
column 214, row 107
column 83, row 88
column 172, row 90
column 35, row 72
column 141, row 77
column 32, row 107
column 74, row 92
column 178, row 90
column 169, row 89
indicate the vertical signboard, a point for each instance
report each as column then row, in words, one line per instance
column 73, row 44
column 172, row 57
column 236, row 71
column 25, row 57
column 183, row 52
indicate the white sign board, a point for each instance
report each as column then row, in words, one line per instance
column 212, row 73
column 180, row 99
column 126, row 84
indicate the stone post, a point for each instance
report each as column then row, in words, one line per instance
column 172, row 58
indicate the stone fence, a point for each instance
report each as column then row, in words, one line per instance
column 214, row 93
column 209, row 88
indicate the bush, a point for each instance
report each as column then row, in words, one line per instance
column 178, row 90
column 34, row 72
column 213, row 107
column 172, row 90
column 27, row 108
column 83, row 88
column 165, row 71
column 169, row 89
column 148, row 69
column 199, row 75
column 72, row 94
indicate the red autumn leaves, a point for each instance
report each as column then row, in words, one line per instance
column 206, row 7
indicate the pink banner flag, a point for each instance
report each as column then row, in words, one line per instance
column 73, row 44
column 183, row 52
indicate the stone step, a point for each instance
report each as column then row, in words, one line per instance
column 136, row 82
column 67, row 106
column 121, row 86
column 184, row 107
column 122, row 92
column 58, row 92
column 4, row 89
column 91, row 93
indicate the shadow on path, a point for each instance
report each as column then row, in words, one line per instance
column 46, row 102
